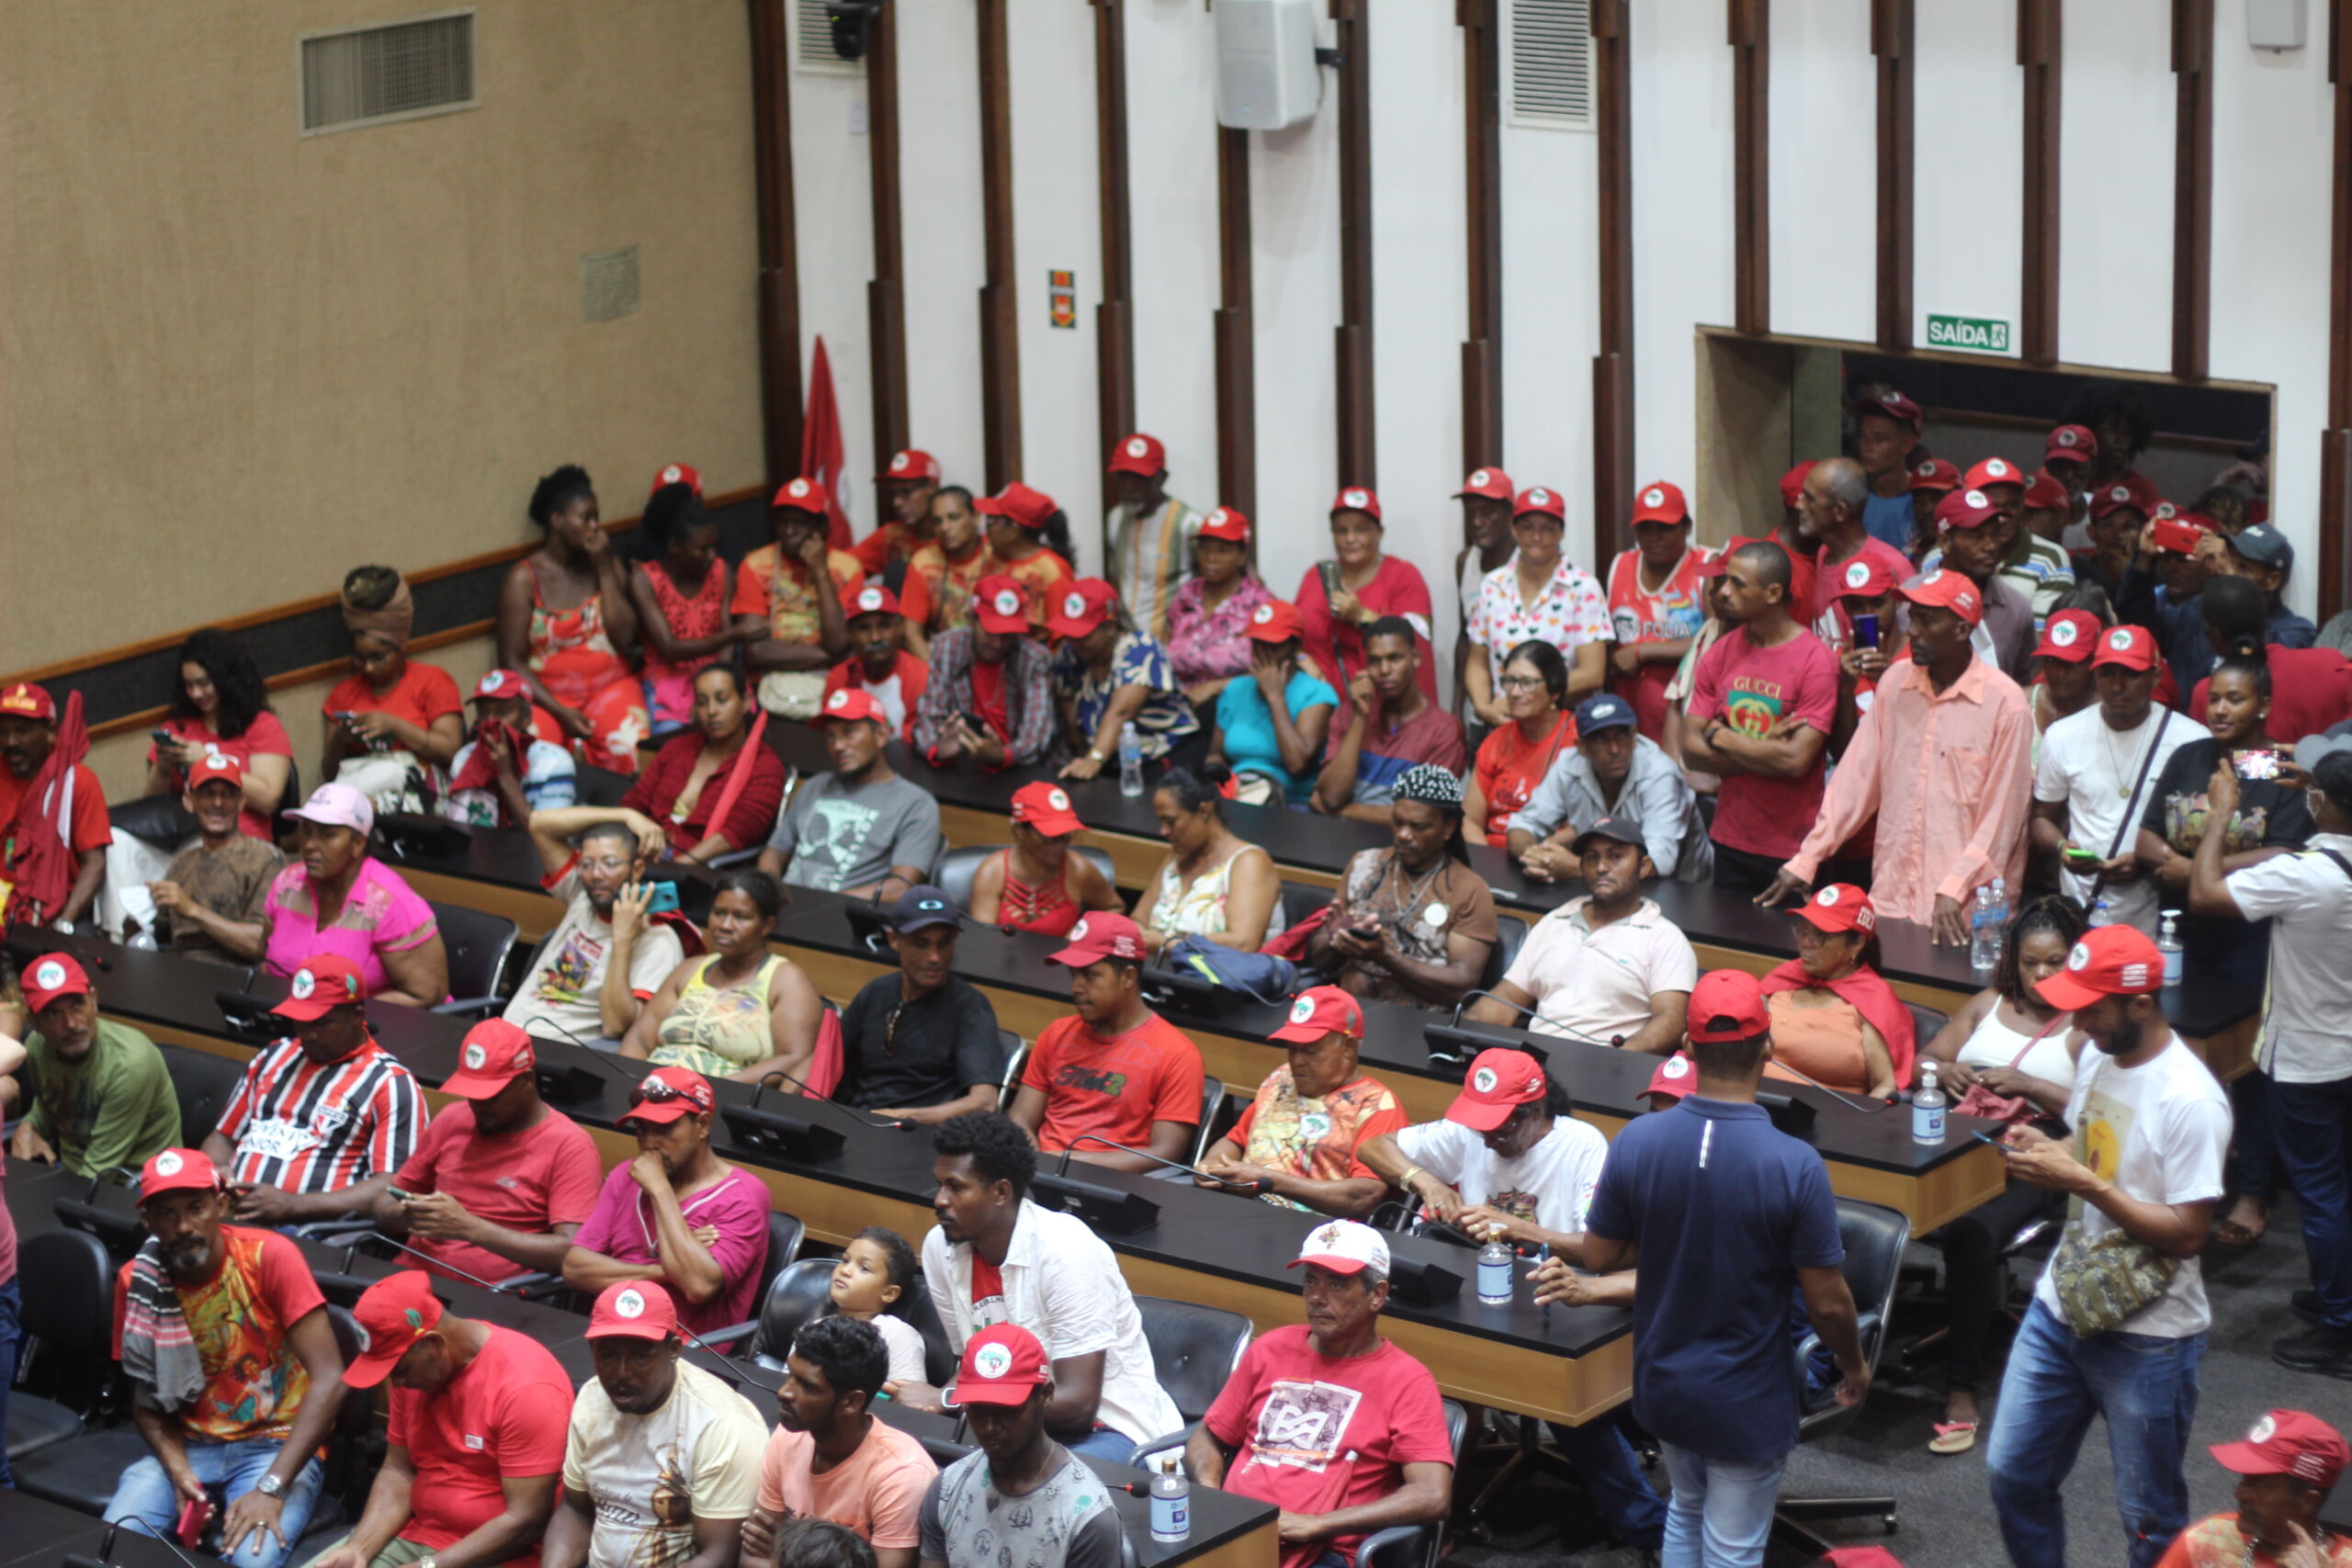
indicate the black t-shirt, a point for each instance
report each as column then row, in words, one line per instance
column 2269, row 814
column 942, row 1043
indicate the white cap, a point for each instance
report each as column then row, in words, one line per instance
column 1344, row 1247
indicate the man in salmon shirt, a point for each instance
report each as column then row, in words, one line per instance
column 476, row 1440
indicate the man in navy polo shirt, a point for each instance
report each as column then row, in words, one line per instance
column 1723, row 1214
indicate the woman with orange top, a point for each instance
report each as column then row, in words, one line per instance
column 1036, row 884
column 1513, row 760
column 789, row 600
column 565, row 621
column 1835, row 1018
column 1030, row 539
column 680, row 595
column 392, row 725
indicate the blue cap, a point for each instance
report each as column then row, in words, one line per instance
column 2265, row 545
column 925, row 906
column 1604, row 711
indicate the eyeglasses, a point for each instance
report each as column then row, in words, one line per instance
column 1522, row 683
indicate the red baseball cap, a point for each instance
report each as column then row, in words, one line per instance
column 633, row 1309
column 1500, row 1081
column 324, row 982
column 803, row 494
column 177, row 1170
column 1225, row 523
column 1099, row 935
column 1894, row 406
column 501, row 684
column 1676, row 1076
column 1660, row 503
column 668, row 1094
column 677, row 474
column 1995, row 471
column 391, row 1314
column 2070, row 635
column 1027, row 505
column 1865, row 577
column 1948, row 590
column 1969, row 508
column 2046, row 493
column 1045, row 807
column 1002, row 1364
column 1490, row 484
column 844, row 705
column 1840, row 906
column 1935, row 475
column 2132, row 492
column 2108, row 961
column 51, row 975
column 1793, row 482
column 1139, row 454
column 2288, row 1442
column 1276, row 620
column 494, row 1054
column 1001, row 604
column 25, row 700
column 2071, row 443
column 1540, row 497
column 913, row 466
column 1355, row 497
column 1319, row 1010
column 2178, row 534
column 2133, row 648
column 869, row 598
column 1727, row 1005
column 217, row 766
column 1081, row 606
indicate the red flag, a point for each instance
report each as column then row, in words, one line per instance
column 820, row 443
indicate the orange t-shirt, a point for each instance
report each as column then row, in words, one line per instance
column 424, row 692
column 1510, row 768
column 788, row 601
column 1114, row 1088
column 1038, row 577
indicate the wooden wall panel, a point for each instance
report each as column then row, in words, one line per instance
column 780, row 408
column 1237, row 359
column 2039, row 37
column 1481, row 350
column 1357, row 456
column 1613, row 367
column 1892, row 31
column 1114, row 335
column 2192, row 202
column 886, row 298
column 1749, row 26
column 999, row 330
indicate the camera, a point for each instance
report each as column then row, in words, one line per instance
column 852, row 23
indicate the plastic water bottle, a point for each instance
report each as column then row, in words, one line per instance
column 1130, row 760
column 1928, row 1107
column 1172, row 1505
column 1496, row 1263
column 2102, row 913
column 1983, row 932
column 2168, row 943
column 143, row 938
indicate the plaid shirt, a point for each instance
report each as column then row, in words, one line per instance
column 1028, row 696
column 306, row 1128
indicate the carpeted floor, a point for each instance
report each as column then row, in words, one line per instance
column 1946, row 1518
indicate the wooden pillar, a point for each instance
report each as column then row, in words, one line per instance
column 2192, row 187
column 1236, row 360
column 1892, row 31
column 2336, row 449
column 1613, row 367
column 1114, row 332
column 1481, row 350
column 780, row 406
column 1000, row 336
column 2040, row 36
column 1749, row 26
column 886, row 300
column 1359, row 462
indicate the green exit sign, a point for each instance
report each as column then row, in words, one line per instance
column 1980, row 334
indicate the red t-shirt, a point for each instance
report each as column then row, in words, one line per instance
column 1114, row 1088
column 1755, row 688
column 2311, row 690
column 265, row 736
column 423, row 693
column 89, row 825
column 507, row 1414
column 532, row 1181
column 1511, row 766
column 988, row 1285
column 1314, row 1433
column 1675, row 611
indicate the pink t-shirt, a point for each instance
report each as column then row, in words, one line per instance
column 621, row 1227
column 1755, row 688
column 381, row 914
column 875, row 1494
column 529, row 1181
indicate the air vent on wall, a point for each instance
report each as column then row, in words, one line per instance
column 609, row 285
column 812, row 42
column 1549, row 66
column 396, row 70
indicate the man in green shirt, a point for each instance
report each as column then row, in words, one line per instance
column 100, row 1095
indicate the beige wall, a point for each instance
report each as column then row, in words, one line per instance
column 235, row 361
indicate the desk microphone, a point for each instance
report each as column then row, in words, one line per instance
column 853, row 1112
column 1870, row 1108
column 1254, row 1187
column 425, row 1257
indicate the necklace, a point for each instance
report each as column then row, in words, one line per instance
column 2125, row 776
column 1414, row 893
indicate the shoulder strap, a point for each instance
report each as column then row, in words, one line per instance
column 2041, row 1034
column 2336, row 855
column 2132, row 803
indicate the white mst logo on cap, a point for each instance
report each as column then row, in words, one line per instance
column 49, row 975
column 1653, row 497
column 839, row 699
column 1479, row 479
column 1995, row 466
column 1975, row 498
column 168, row 1163
column 1483, row 1080
column 1073, row 605
column 303, row 984
column 2119, row 640
column 992, row 1361
column 1675, row 1067
column 628, row 1304
column 800, row 487
column 1261, row 614
column 1057, row 799
column 2121, row 493
column 360, row 1332
column 1935, row 576
column 1078, row 931
column 1007, row 601
column 870, row 600
column 2262, row 1431
column 2080, row 958
column 1539, row 496
column 1354, row 497
column 670, row 475
column 898, row 463
column 1858, row 574
column 1138, row 447
column 2066, row 438
column 1302, row 1010
column 2064, row 634
column 476, row 1056
column 1827, row 896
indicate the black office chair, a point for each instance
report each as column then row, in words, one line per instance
column 943, row 1452
column 953, row 876
column 1299, row 901
column 1925, row 1024
column 1511, row 935
column 798, row 1294
column 786, row 1233
column 599, row 787
column 1417, row 1546
column 1194, row 1352
column 938, row 1357
column 1212, row 1107
column 1016, row 1057
column 477, row 945
column 1874, row 1238
column 157, row 819
column 67, row 1282
column 204, row 1084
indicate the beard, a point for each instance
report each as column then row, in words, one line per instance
column 2129, row 1034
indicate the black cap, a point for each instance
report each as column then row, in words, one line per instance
column 923, row 905
column 1617, row 829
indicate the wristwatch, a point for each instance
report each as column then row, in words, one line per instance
column 430, row 1560
column 270, row 1486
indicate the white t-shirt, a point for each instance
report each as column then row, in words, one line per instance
column 2091, row 767
column 563, row 985
column 1551, row 1184
column 2307, row 1038
column 904, row 1341
column 650, row 1477
column 1593, row 986
column 2158, row 1131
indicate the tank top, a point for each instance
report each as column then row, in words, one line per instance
column 1996, row 1044
column 671, row 686
column 1047, row 910
column 716, row 1030
column 1200, row 909
column 1825, row 1043
column 568, row 650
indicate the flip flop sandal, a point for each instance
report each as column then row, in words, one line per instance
column 1952, row 1438
column 2238, row 1237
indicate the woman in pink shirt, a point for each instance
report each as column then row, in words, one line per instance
column 336, row 897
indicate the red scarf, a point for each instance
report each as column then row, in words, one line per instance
column 481, row 772
column 738, row 773
column 1869, row 994
column 44, row 865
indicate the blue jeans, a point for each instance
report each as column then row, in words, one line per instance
column 2312, row 1124
column 228, row 1471
column 1721, row 1516
column 2147, row 1388
column 9, row 1336
column 1105, row 1442
column 1613, row 1477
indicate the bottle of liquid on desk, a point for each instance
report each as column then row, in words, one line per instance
column 1928, row 1107
column 1130, row 760
column 1983, row 932
column 2168, row 943
column 1172, row 1505
column 1496, row 1262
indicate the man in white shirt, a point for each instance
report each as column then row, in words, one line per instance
column 2307, row 1036
column 996, row 1257
column 607, row 955
column 2090, row 785
column 2151, row 1126
column 1608, row 969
